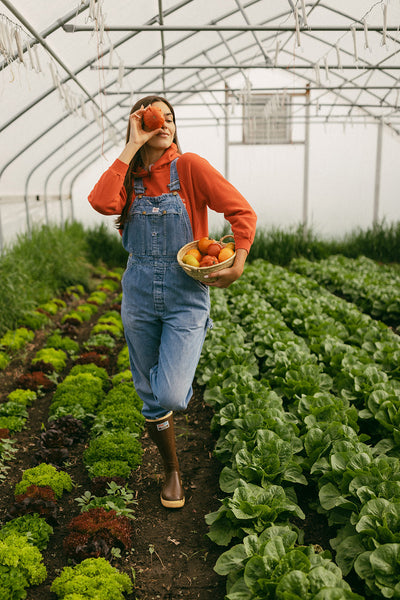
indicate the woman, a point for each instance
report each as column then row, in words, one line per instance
column 162, row 197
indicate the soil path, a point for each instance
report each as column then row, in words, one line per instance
column 173, row 557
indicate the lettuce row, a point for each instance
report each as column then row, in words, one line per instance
column 372, row 287
column 22, row 538
column 254, row 508
column 315, row 313
column 361, row 356
column 341, row 503
column 114, row 448
column 271, row 566
column 321, row 430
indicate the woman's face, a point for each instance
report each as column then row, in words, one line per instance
column 164, row 139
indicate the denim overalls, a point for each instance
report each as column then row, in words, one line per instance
column 164, row 311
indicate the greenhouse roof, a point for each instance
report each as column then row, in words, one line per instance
column 71, row 71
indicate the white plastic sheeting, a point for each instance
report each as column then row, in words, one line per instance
column 71, row 71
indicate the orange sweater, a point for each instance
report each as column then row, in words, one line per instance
column 202, row 186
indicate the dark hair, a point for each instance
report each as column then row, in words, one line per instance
column 137, row 161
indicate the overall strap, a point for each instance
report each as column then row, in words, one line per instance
column 174, row 183
column 138, row 186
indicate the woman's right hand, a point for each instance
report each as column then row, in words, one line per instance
column 137, row 136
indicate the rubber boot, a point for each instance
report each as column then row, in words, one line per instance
column 161, row 431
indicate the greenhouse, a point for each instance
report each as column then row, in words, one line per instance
column 296, row 103
column 235, row 352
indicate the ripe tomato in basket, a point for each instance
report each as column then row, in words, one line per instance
column 214, row 249
column 208, row 261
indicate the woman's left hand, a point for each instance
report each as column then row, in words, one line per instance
column 225, row 277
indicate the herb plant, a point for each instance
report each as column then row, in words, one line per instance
column 117, row 498
column 33, row 526
column 19, row 558
column 45, row 475
column 119, row 445
column 95, row 579
column 96, row 532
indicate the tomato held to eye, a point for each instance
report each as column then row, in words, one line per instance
column 153, row 117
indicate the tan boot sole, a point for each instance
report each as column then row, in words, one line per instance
column 172, row 503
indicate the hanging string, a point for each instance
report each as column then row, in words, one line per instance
column 15, row 45
column 339, row 61
column 12, row 39
column 297, row 25
column 276, row 52
column 121, row 72
column 353, row 32
column 384, row 40
column 366, row 45
column 18, row 40
column 96, row 15
column 31, row 57
column 317, row 73
column 304, row 13
column 36, row 52
column 326, row 68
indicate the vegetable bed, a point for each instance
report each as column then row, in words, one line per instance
column 84, row 373
column 306, row 394
column 294, row 491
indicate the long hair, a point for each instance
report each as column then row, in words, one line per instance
column 138, row 161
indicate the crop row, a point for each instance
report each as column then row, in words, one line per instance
column 48, row 362
column 83, row 406
column 372, row 287
column 283, row 425
column 13, row 342
column 361, row 355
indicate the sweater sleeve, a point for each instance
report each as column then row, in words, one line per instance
column 210, row 188
column 108, row 196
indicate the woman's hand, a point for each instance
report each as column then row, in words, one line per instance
column 137, row 136
column 225, row 277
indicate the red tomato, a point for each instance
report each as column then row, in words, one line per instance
column 214, row 249
column 153, row 117
column 208, row 261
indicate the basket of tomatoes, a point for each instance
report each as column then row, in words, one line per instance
column 206, row 256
